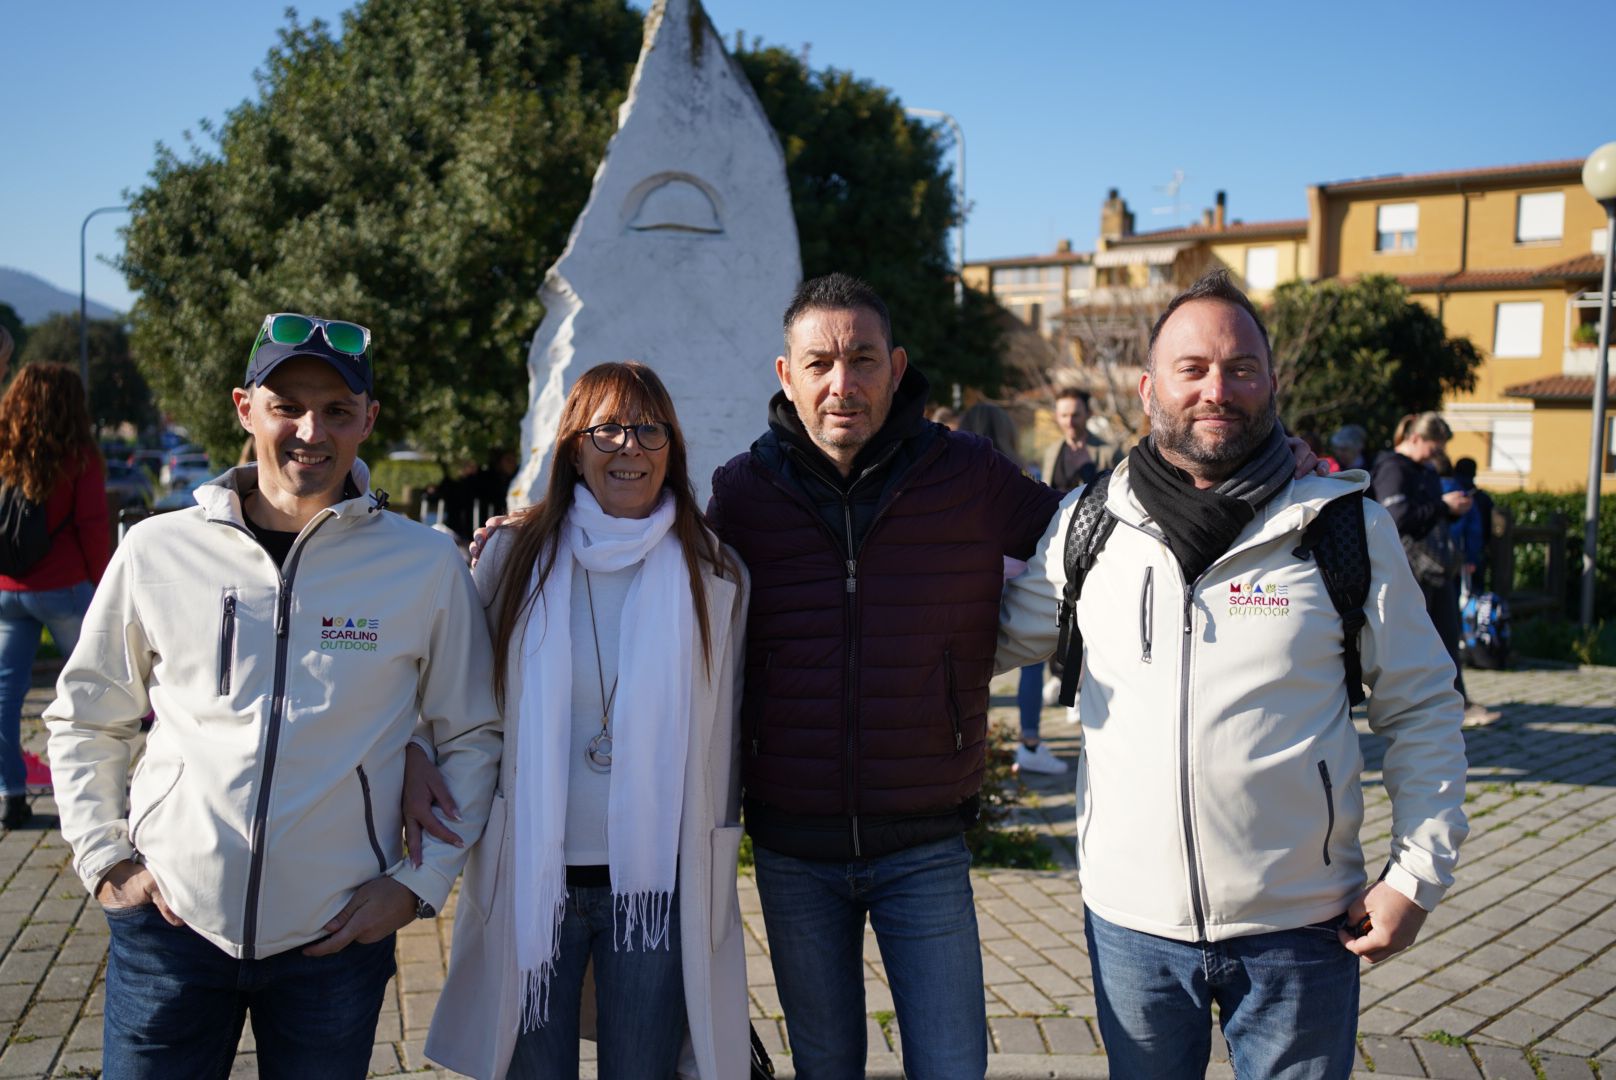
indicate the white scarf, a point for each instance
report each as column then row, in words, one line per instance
column 650, row 729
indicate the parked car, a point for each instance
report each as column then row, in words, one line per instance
column 149, row 461
column 186, row 470
column 128, row 484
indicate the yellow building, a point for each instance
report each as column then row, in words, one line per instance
column 1506, row 257
column 1259, row 255
column 1035, row 288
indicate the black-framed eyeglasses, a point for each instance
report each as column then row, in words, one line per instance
column 610, row 438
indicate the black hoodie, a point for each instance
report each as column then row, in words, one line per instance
column 902, row 438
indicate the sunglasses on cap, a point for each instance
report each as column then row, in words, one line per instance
column 290, row 328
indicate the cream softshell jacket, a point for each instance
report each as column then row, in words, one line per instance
column 475, row 1026
column 1219, row 793
column 284, row 698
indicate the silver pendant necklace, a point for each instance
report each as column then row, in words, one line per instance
column 599, row 751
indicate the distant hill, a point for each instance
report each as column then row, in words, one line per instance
column 37, row 299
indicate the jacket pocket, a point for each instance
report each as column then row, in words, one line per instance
column 165, row 791
column 755, row 692
column 227, row 643
column 1147, row 603
column 1329, row 806
column 725, row 915
column 951, row 690
column 483, row 868
column 370, row 820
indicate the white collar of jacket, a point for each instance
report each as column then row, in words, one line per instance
column 220, row 498
column 1291, row 510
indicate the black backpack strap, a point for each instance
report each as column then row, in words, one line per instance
column 1090, row 526
column 1338, row 543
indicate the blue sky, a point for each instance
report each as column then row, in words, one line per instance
column 1058, row 100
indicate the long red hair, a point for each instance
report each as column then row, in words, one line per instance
column 632, row 393
column 44, row 428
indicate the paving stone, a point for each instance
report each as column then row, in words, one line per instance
column 1589, row 1030
column 32, row 1058
column 1443, row 1062
column 1069, row 1035
column 1391, row 1055
column 1016, row 1035
column 49, row 1018
column 1564, row 1067
column 78, row 1063
column 1502, row 1062
column 1519, row 1028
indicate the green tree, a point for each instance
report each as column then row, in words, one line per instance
column 1361, row 353
column 11, row 344
column 419, row 175
column 872, row 197
column 118, row 392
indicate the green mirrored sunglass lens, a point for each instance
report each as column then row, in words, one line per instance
column 290, row 329
column 345, row 337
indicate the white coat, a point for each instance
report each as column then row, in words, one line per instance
column 475, row 1026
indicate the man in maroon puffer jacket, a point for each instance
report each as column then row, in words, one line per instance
column 876, row 542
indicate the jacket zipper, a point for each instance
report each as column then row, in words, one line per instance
column 951, row 687
column 850, row 698
column 1329, row 805
column 1147, row 594
column 227, row 643
column 370, row 820
column 757, row 715
column 272, row 736
column 1184, row 793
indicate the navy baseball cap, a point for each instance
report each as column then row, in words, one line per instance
column 343, row 345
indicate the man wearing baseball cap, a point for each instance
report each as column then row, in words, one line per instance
column 287, row 633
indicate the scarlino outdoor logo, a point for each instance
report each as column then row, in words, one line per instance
column 1258, row 598
column 349, row 633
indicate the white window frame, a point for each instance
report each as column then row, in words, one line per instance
column 1397, row 220
column 1255, row 276
column 1518, row 329
column 1509, row 446
column 1540, row 217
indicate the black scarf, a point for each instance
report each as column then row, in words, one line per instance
column 1202, row 524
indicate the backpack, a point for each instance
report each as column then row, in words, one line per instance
column 1335, row 539
column 1486, row 631
column 25, row 537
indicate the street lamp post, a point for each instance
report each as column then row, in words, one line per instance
column 84, row 325
column 959, row 169
column 1599, row 177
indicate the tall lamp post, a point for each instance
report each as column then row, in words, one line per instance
column 84, row 325
column 959, row 170
column 1599, row 177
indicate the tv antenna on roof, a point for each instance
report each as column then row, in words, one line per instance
column 1171, row 189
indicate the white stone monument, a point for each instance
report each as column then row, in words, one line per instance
column 684, row 257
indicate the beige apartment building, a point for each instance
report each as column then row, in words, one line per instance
column 1508, row 257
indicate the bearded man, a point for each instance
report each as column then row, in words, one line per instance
column 1218, row 795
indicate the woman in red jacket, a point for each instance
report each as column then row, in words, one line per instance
column 46, row 451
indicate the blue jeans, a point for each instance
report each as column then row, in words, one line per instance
column 176, row 1002
column 1287, row 1002
column 21, row 616
column 639, row 999
column 1030, row 700
column 919, row 902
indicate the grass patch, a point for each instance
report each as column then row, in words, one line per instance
column 1565, row 641
column 993, row 842
column 1445, row 1038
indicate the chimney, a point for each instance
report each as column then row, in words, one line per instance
column 1222, row 207
column 1116, row 220
column 1206, row 218
column 1063, row 247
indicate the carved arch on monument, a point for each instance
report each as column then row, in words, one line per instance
column 673, row 202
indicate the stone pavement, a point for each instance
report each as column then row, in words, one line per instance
column 1512, row 979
